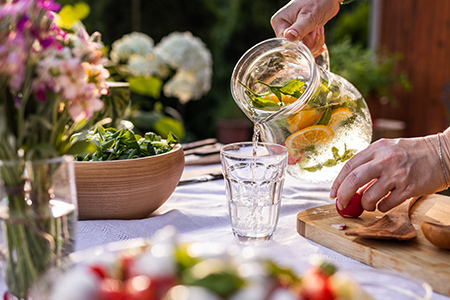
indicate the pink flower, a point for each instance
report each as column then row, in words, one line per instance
column 40, row 95
column 49, row 5
column 86, row 104
column 13, row 54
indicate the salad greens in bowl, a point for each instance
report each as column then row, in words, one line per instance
column 126, row 176
column 118, row 144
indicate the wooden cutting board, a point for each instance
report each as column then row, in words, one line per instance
column 418, row 257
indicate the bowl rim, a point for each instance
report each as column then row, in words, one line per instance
column 175, row 148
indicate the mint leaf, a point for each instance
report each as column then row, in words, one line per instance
column 325, row 117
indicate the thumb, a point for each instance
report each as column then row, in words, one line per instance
column 299, row 29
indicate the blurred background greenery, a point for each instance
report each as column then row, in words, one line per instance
column 229, row 28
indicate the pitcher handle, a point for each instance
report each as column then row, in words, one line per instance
column 323, row 59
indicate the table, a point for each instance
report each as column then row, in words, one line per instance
column 199, row 213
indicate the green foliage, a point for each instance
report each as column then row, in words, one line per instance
column 115, row 144
column 368, row 72
column 337, row 158
column 371, row 73
column 351, row 24
column 70, row 14
column 146, row 86
column 293, row 88
column 116, row 104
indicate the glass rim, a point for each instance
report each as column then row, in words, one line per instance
column 247, row 60
column 237, row 145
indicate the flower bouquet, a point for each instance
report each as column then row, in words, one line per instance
column 51, row 83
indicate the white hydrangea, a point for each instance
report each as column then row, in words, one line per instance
column 186, row 85
column 192, row 60
column 148, row 65
column 183, row 53
column 133, row 43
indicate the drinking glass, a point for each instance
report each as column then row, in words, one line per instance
column 254, row 175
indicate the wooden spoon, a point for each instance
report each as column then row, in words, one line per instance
column 437, row 234
column 395, row 224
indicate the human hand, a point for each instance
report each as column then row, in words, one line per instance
column 299, row 18
column 315, row 41
column 390, row 171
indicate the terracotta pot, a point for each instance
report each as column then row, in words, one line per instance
column 234, row 130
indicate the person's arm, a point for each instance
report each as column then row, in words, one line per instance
column 390, row 171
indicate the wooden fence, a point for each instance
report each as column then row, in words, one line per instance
column 420, row 30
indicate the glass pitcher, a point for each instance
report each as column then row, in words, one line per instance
column 294, row 100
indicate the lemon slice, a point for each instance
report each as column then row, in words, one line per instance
column 338, row 116
column 303, row 119
column 312, row 135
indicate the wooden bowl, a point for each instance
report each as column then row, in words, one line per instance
column 127, row 189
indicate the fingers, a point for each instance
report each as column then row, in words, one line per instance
column 393, row 199
column 280, row 25
column 380, row 189
column 301, row 28
column 388, row 172
column 347, row 174
column 357, row 178
column 315, row 41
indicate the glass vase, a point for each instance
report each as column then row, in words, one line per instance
column 38, row 214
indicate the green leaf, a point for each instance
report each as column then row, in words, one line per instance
column 286, row 274
column 81, row 147
column 337, row 158
column 259, row 100
column 294, row 88
column 325, row 117
column 263, row 102
column 172, row 139
column 151, row 136
column 167, row 124
column 108, row 144
column 151, row 150
column 223, row 284
column 70, row 14
column 146, row 86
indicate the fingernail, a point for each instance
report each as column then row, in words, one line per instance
column 332, row 194
column 314, row 34
column 339, row 205
column 322, row 30
column 291, row 32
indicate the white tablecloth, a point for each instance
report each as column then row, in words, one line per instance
column 199, row 213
